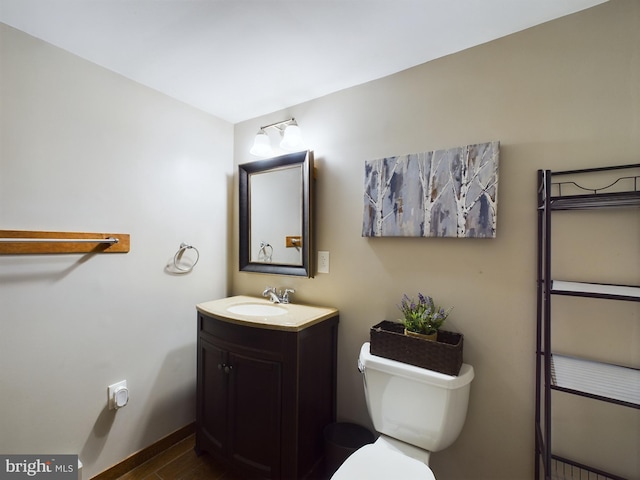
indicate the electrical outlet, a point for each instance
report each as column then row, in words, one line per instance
column 323, row 262
column 118, row 395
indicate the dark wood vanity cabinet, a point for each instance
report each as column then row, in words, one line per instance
column 264, row 396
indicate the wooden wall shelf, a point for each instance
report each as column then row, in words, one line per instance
column 27, row 242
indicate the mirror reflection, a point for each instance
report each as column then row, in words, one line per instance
column 276, row 224
column 275, row 213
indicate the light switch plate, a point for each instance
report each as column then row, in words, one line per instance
column 323, row 262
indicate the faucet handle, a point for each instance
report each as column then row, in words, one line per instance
column 268, row 290
column 272, row 294
column 285, row 295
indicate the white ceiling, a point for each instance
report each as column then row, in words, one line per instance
column 239, row 59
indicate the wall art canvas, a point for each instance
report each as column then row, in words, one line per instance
column 443, row 193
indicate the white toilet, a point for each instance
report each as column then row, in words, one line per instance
column 416, row 411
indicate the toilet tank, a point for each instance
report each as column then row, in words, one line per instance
column 420, row 407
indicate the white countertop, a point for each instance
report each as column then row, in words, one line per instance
column 298, row 317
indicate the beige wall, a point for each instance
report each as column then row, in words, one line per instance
column 83, row 149
column 562, row 95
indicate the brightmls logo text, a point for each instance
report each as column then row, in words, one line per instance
column 45, row 467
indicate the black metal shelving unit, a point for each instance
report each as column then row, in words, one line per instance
column 559, row 190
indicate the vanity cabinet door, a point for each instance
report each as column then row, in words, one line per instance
column 211, row 408
column 239, row 406
column 255, row 386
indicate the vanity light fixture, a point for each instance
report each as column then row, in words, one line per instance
column 291, row 138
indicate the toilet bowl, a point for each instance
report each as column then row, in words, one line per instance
column 381, row 461
column 416, row 411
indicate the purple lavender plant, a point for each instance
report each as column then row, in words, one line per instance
column 422, row 317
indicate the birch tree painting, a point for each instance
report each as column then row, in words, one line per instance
column 444, row 193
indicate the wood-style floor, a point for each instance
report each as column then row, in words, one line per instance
column 179, row 462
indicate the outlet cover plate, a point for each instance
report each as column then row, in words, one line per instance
column 111, row 393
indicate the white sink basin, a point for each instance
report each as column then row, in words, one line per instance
column 257, row 309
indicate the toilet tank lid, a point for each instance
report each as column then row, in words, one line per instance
column 392, row 367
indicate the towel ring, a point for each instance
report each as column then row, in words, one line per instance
column 263, row 253
column 176, row 258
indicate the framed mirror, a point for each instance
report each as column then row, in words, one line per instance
column 276, row 215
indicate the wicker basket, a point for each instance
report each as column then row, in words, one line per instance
column 444, row 356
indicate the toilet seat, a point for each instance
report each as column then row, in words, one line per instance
column 378, row 462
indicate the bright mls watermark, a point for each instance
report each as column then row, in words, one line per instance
column 36, row 467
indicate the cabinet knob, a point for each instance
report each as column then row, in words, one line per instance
column 225, row 367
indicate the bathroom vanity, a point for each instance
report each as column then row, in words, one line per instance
column 266, row 385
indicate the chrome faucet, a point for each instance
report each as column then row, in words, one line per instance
column 271, row 293
column 276, row 297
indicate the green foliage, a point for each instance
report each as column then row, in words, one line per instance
column 422, row 317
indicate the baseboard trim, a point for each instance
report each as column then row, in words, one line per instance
column 138, row 458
